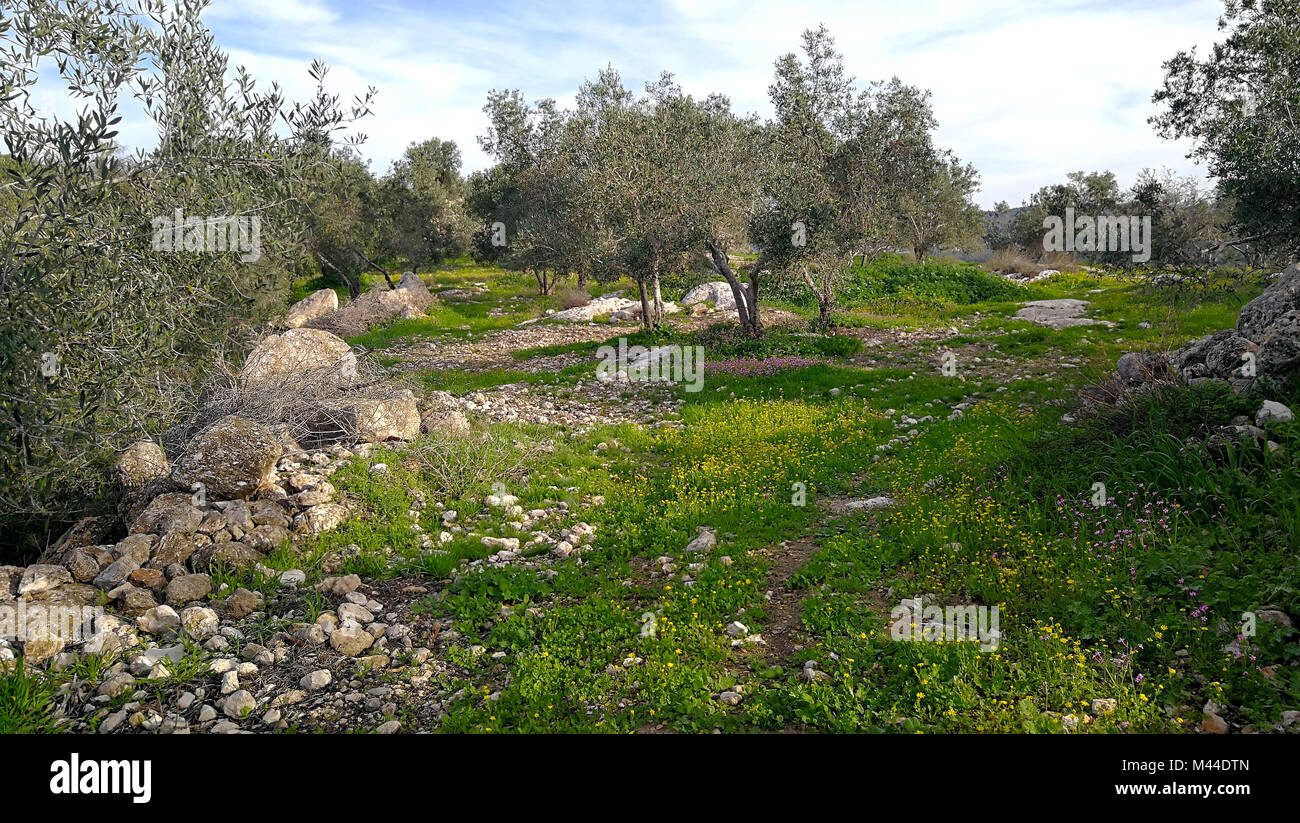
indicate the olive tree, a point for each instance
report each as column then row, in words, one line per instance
column 105, row 329
column 851, row 172
column 1240, row 105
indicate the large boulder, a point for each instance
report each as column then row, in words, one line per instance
column 366, row 419
column 1215, row 355
column 392, row 418
column 317, row 304
column 1137, row 368
column 232, row 458
column 141, row 463
column 149, row 519
column 417, row 295
column 1259, row 314
column 1278, row 360
column 298, row 352
column 718, row 293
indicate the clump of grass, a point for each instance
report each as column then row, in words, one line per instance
column 1013, row 259
column 25, row 702
column 571, row 297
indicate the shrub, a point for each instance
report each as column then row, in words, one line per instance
column 571, row 297
column 1012, row 259
column 456, row 465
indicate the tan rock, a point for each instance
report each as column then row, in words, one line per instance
column 317, row 304
column 322, row 518
column 141, row 463
column 232, row 458
column 281, row 357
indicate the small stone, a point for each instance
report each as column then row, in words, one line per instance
column 1213, row 724
column 243, row 603
column 340, row 586
column 351, row 639
column 117, row 685
column 317, row 680
column 293, row 578
column 188, row 587
column 199, row 622
column 158, row 620
column 230, row 682
column 1103, row 705
column 239, row 704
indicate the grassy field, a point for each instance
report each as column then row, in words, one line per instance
column 1138, row 600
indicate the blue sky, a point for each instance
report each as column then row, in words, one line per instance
column 1026, row 90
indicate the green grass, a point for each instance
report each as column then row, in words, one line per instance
column 1134, row 600
column 25, row 702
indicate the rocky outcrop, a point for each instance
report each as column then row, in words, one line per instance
column 1219, row 355
column 1278, row 359
column 1259, row 315
column 1261, row 353
column 1059, row 314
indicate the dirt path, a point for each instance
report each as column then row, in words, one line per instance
column 782, row 628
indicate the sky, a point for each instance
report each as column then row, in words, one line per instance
column 1027, row 91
